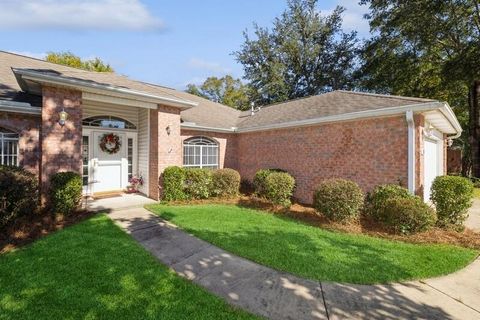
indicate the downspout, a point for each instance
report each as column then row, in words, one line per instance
column 411, row 151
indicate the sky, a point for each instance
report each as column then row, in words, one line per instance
column 171, row 43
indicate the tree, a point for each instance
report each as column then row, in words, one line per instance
column 69, row 59
column 226, row 90
column 426, row 49
column 305, row 53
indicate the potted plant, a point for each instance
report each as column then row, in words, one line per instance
column 134, row 183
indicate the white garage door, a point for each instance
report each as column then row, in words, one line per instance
column 433, row 164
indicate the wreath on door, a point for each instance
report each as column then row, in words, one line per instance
column 110, row 143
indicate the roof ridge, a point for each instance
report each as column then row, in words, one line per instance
column 56, row 64
column 385, row 96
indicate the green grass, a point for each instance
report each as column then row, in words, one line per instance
column 476, row 192
column 312, row 252
column 95, row 271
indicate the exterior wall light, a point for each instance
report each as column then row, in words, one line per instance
column 63, row 117
column 168, row 129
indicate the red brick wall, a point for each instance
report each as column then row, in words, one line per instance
column 28, row 129
column 60, row 146
column 370, row 152
column 227, row 143
column 165, row 149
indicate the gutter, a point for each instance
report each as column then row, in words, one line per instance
column 411, row 151
column 349, row 116
column 193, row 126
column 21, row 74
column 19, row 107
column 450, row 115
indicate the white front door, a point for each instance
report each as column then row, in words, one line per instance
column 432, row 164
column 110, row 170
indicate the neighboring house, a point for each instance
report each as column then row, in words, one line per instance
column 371, row 139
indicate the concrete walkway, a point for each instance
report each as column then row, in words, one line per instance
column 473, row 220
column 278, row 295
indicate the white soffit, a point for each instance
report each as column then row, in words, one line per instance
column 88, row 96
column 437, row 119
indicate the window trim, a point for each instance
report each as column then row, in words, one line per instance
column 15, row 140
column 201, row 142
column 87, row 122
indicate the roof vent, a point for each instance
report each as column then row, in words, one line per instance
column 253, row 109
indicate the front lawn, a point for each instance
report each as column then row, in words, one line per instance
column 94, row 270
column 312, row 252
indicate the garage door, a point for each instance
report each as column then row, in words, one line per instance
column 432, row 164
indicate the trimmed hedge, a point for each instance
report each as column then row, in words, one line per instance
column 376, row 200
column 19, row 194
column 259, row 181
column 452, row 197
column 173, row 179
column 279, row 188
column 198, row 183
column 408, row 215
column 338, row 199
column 225, row 183
column 65, row 192
column 195, row 183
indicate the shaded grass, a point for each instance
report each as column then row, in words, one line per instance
column 94, row 270
column 312, row 252
column 476, row 193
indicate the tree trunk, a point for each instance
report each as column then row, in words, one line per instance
column 475, row 128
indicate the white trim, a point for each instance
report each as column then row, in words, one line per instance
column 19, row 107
column 411, row 151
column 192, row 126
column 450, row 115
column 87, row 86
column 94, row 97
column 350, row 116
column 148, row 155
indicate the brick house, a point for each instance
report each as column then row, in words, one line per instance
column 369, row 138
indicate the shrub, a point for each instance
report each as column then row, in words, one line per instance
column 279, row 188
column 225, row 182
column 408, row 215
column 19, row 194
column 376, row 200
column 338, row 199
column 260, row 178
column 65, row 192
column 173, row 180
column 198, row 183
column 452, row 196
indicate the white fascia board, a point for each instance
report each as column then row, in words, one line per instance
column 98, row 88
column 19, row 107
column 450, row 115
column 191, row 126
column 420, row 107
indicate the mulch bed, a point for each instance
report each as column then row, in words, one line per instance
column 309, row 215
column 28, row 229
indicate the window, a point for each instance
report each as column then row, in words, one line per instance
column 108, row 122
column 85, row 158
column 8, row 148
column 130, row 157
column 200, row 152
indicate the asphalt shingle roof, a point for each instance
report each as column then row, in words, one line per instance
column 207, row 113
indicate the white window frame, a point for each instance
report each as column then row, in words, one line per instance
column 5, row 139
column 202, row 144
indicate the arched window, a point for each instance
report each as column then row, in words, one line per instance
column 200, row 152
column 8, row 147
column 108, row 122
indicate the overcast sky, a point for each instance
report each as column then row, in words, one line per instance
column 170, row 43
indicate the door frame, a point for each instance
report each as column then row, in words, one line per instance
column 129, row 133
column 436, row 137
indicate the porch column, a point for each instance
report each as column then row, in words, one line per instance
column 60, row 145
column 165, row 145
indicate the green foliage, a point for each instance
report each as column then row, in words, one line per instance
column 65, row 192
column 376, row 200
column 259, row 181
column 173, row 179
column 338, row 199
column 71, row 60
column 452, row 196
column 198, row 183
column 304, row 53
column 408, row 215
column 18, row 193
column 279, row 188
column 226, row 90
column 225, row 183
